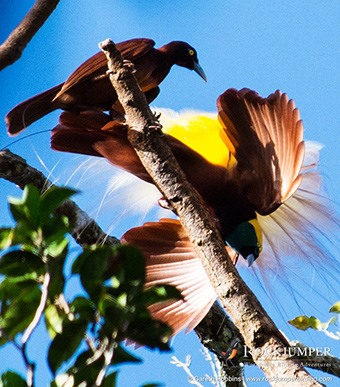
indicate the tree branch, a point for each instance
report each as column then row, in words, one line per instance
column 13, row 47
column 86, row 231
column 258, row 330
column 216, row 331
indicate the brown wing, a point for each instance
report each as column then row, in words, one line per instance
column 171, row 259
column 97, row 64
column 266, row 137
column 93, row 133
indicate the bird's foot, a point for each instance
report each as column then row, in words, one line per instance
column 129, row 65
column 165, row 204
column 157, row 115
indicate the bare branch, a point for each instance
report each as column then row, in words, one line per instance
column 256, row 327
column 40, row 310
column 86, row 231
column 13, row 47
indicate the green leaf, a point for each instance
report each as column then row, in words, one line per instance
column 6, row 238
column 335, row 308
column 304, row 322
column 149, row 332
column 114, row 313
column 83, row 308
column 56, row 270
column 160, row 293
column 12, row 289
column 65, row 344
column 52, row 198
column 87, row 367
column 300, row 322
column 110, row 380
column 54, row 320
column 56, row 247
column 18, row 311
column 133, row 263
column 18, row 263
column 91, row 266
column 27, row 208
column 12, row 379
column 122, row 356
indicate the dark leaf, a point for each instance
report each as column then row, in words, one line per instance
column 65, row 344
column 27, row 209
column 335, row 308
column 86, row 368
column 12, row 379
column 122, row 356
column 18, row 263
column 56, row 270
column 133, row 263
column 151, row 333
column 91, row 266
column 83, row 308
column 18, row 311
column 160, row 293
column 52, row 198
column 110, row 380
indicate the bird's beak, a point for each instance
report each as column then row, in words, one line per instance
column 199, row 71
column 251, row 259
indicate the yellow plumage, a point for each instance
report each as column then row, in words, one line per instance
column 201, row 132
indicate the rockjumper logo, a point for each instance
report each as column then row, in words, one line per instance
column 297, row 352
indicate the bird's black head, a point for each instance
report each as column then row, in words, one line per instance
column 186, row 56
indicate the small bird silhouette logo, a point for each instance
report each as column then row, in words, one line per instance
column 229, row 354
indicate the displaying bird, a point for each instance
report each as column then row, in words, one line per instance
column 261, row 143
column 247, row 166
column 88, row 87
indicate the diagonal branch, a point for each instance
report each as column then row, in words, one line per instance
column 256, row 327
column 13, row 47
column 216, row 331
column 86, row 231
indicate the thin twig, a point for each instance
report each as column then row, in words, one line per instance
column 29, row 365
column 12, row 49
column 108, row 355
column 40, row 309
column 191, row 378
column 86, row 231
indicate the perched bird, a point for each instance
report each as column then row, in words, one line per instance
column 88, row 87
column 247, row 166
column 229, row 354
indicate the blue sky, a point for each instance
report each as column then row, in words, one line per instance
column 263, row 45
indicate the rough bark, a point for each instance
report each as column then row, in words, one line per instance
column 256, row 327
column 86, row 231
column 13, row 47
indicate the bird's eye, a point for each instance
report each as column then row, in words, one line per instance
column 191, row 52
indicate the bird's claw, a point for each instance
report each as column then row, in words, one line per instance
column 164, row 203
column 157, row 115
column 129, row 65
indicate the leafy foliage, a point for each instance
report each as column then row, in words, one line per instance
column 304, row 322
column 86, row 331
